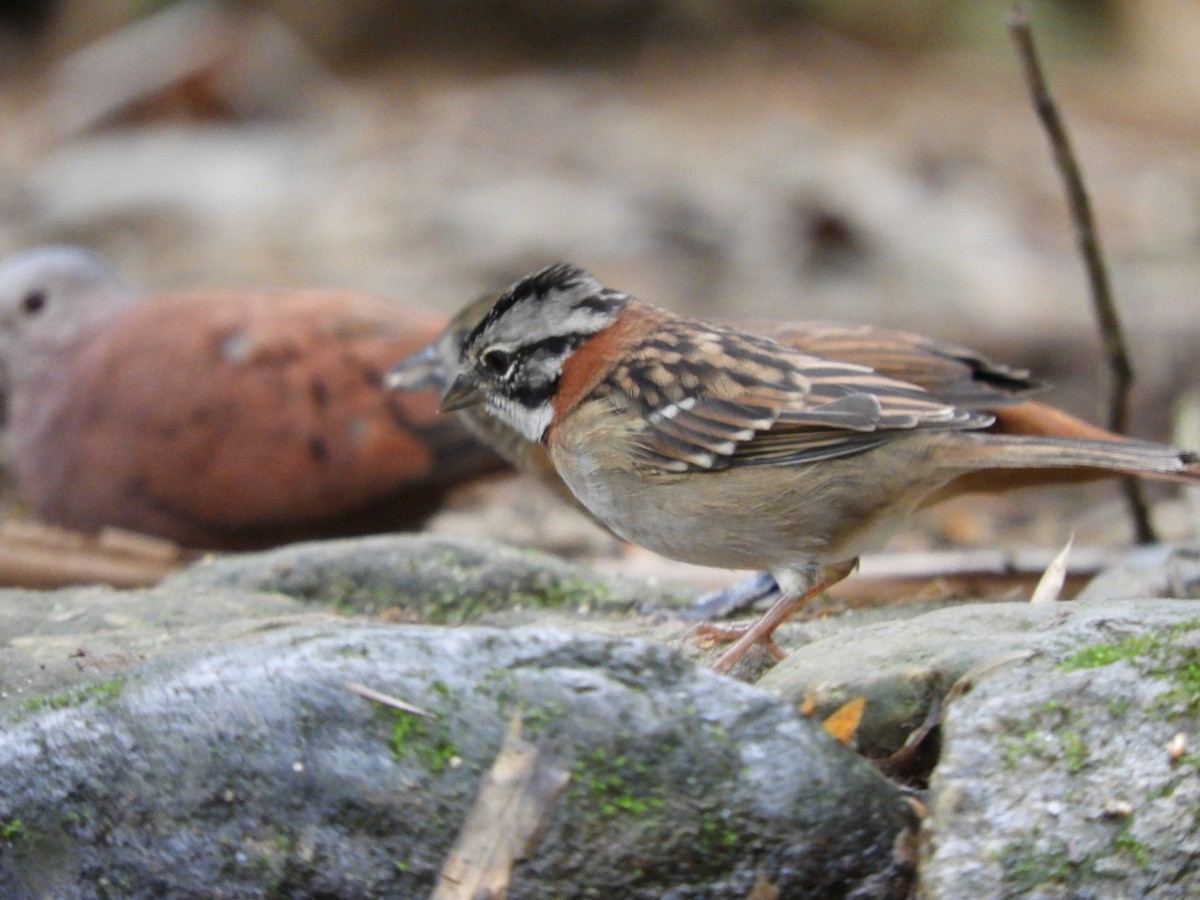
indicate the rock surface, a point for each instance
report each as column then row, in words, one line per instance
column 441, row 580
column 1073, row 773
column 250, row 766
column 1153, row 571
column 200, row 732
column 902, row 667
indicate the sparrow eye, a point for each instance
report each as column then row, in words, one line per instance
column 498, row 361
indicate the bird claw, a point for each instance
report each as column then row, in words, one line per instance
column 708, row 636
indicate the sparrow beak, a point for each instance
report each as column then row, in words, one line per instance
column 421, row 371
column 464, row 392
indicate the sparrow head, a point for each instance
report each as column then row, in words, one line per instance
column 512, row 360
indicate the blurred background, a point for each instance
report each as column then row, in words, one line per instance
column 857, row 160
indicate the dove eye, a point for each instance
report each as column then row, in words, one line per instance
column 34, row 302
column 498, row 361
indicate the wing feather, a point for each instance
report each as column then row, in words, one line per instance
column 954, row 373
column 737, row 399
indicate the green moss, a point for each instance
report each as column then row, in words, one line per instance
column 716, row 836
column 1186, row 678
column 1048, row 738
column 1106, row 654
column 114, row 888
column 427, row 739
column 1015, row 749
column 611, row 785
column 1026, row 866
column 536, row 721
column 1075, row 752
column 1166, row 789
column 11, row 830
column 1188, row 760
column 351, row 596
column 450, row 587
column 460, row 606
column 1119, row 707
column 1163, row 656
column 502, row 685
column 1125, row 843
column 452, row 607
column 574, row 590
column 101, row 691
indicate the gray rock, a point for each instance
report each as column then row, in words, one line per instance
column 53, row 641
column 438, row 580
column 1059, row 776
column 250, row 769
column 1054, row 778
column 902, row 666
column 1151, row 571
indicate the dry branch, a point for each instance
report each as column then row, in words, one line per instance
column 42, row 556
column 1115, row 350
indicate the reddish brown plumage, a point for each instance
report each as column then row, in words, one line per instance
column 239, row 419
column 592, row 359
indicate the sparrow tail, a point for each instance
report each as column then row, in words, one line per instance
column 1159, row 462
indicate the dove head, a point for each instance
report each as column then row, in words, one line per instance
column 51, row 298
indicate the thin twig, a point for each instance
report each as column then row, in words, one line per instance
column 386, row 699
column 1115, row 351
column 33, row 554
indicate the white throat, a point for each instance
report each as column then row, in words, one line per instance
column 531, row 423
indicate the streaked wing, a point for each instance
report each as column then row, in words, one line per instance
column 714, row 398
column 955, row 374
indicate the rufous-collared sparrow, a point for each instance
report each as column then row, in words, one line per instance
column 955, row 374
column 716, row 446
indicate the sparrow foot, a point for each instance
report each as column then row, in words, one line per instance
column 784, row 607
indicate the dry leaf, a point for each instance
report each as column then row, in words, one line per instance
column 968, row 679
column 763, row 889
column 514, row 802
column 1049, row 588
column 907, row 761
column 843, row 723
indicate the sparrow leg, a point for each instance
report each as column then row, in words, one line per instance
column 726, row 602
column 784, row 607
column 735, row 598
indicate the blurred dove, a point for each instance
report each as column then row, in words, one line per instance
column 219, row 419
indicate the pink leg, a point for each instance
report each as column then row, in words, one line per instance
column 784, row 607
